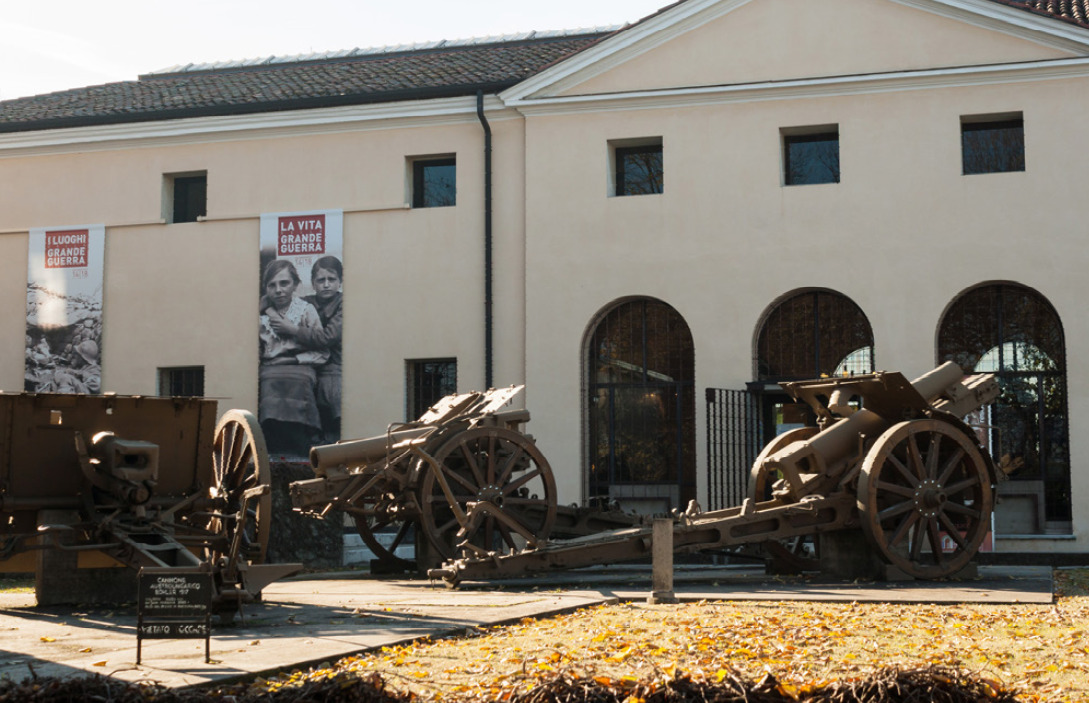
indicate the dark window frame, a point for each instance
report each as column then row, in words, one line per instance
column 424, row 196
column 992, row 144
column 795, row 139
column 188, row 197
column 181, row 381
column 641, row 363
column 421, row 395
column 999, row 318
column 650, row 183
column 813, row 332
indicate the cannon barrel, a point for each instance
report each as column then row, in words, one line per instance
column 827, row 453
column 936, row 382
column 358, row 452
column 901, row 465
column 841, row 438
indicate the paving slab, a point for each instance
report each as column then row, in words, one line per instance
column 313, row 619
column 992, row 584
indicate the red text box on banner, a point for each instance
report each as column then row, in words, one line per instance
column 67, row 248
column 301, row 235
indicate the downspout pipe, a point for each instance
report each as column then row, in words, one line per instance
column 488, row 277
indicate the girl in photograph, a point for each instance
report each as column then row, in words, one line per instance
column 287, row 404
column 326, row 277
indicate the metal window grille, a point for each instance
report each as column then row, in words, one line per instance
column 1015, row 333
column 428, row 382
column 642, row 402
column 994, row 146
column 734, row 439
column 183, row 381
column 815, row 333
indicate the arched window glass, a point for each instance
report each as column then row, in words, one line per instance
column 1015, row 356
column 642, row 407
column 1014, row 332
column 813, row 334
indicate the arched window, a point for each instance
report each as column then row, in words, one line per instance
column 811, row 334
column 642, row 407
column 1014, row 332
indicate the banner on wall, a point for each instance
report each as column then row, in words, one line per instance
column 64, row 310
column 301, row 321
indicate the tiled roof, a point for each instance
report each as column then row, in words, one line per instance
column 1073, row 11
column 442, row 69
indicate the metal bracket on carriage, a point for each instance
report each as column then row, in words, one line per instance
column 690, row 514
column 13, row 544
column 806, row 505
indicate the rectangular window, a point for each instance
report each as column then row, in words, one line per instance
column 181, row 381
column 638, row 167
column 810, row 155
column 992, row 143
column 185, row 196
column 434, row 182
column 429, row 381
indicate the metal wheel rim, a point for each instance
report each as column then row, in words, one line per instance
column 796, row 553
column 471, row 472
column 921, row 481
column 240, row 462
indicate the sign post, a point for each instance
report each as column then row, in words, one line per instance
column 174, row 603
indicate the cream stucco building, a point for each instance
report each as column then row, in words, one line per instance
column 722, row 196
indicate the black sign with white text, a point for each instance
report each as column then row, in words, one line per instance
column 173, row 604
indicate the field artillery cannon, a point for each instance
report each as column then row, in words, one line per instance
column 886, row 455
column 418, row 481
column 146, row 481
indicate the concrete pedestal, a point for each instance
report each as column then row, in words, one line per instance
column 847, row 554
column 59, row 580
column 661, row 579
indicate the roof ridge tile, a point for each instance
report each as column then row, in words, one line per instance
column 387, row 49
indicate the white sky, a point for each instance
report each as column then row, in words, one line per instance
column 50, row 45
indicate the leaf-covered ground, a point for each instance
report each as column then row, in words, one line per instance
column 1040, row 651
column 707, row 652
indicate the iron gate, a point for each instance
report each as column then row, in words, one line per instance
column 734, row 438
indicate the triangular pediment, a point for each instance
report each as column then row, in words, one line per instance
column 700, row 43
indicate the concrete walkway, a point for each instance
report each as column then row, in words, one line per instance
column 319, row 618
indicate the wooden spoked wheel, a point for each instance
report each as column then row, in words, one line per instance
column 797, row 553
column 240, row 462
column 496, row 465
column 925, row 497
column 378, row 511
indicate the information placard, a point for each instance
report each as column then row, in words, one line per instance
column 174, row 603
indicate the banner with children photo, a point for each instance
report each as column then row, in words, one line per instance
column 64, row 310
column 301, row 320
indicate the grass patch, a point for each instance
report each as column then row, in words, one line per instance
column 17, row 585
